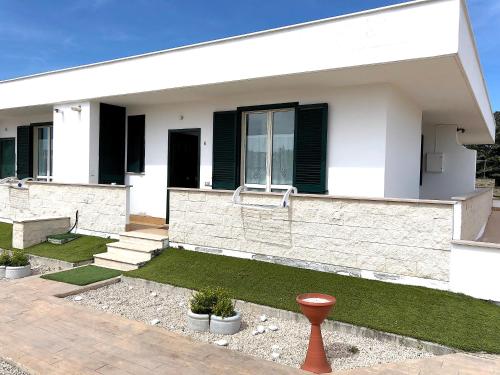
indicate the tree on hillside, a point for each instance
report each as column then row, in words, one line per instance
column 488, row 157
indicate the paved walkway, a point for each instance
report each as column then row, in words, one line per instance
column 48, row 335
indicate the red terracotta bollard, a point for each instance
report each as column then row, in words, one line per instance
column 316, row 306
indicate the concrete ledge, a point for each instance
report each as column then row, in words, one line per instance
column 430, row 347
column 473, row 194
column 85, row 288
column 56, row 264
column 319, row 196
column 490, row 245
column 76, row 184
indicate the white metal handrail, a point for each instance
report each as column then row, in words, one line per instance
column 285, row 201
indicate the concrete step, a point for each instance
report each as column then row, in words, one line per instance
column 107, row 263
column 152, row 240
column 120, row 253
column 123, row 262
column 136, row 247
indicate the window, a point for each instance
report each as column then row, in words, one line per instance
column 42, row 151
column 268, row 144
column 135, row 143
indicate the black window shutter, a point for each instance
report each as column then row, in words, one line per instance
column 310, row 148
column 24, row 151
column 112, row 144
column 226, row 150
column 135, row 143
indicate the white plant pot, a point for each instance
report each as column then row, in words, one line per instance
column 2, row 272
column 225, row 326
column 198, row 322
column 17, row 272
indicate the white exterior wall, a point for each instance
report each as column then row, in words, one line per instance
column 474, row 269
column 76, row 143
column 459, row 173
column 402, row 153
column 356, row 153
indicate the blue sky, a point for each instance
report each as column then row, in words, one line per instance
column 37, row 36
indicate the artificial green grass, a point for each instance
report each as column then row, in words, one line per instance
column 5, row 236
column 78, row 250
column 447, row 318
column 83, row 275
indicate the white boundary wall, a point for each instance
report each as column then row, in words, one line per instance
column 475, row 269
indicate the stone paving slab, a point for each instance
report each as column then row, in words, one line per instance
column 48, row 335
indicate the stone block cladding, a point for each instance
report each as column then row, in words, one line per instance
column 409, row 238
column 102, row 208
column 27, row 233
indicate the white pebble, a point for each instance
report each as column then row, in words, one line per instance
column 255, row 333
column 273, row 328
column 153, row 294
column 105, row 307
column 154, row 322
column 263, row 318
column 221, row 342
column 261, row 329
column 275, row 355
column 78, row 298
column 275, row 348
column 130, row 287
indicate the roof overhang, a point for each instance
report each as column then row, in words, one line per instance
column 425, row 48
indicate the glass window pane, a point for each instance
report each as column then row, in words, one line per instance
column 43, row 151
column 283, row 137
column 256, row 148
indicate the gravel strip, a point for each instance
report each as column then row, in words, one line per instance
column 7, row 369
column 289, row 341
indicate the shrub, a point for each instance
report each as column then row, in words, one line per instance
column 19, row 259
column 206, row 301
column 224, row 307
column 203, row 301
column 5, row 258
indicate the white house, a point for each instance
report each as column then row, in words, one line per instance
column 365, row 114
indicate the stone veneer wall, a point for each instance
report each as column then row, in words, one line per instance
column 102, row 208
column 410, row 238
column 475, row 210
column 26, row 233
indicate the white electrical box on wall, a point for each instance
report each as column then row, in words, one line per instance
column 435, row 162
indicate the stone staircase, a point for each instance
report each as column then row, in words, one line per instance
column 133, row 250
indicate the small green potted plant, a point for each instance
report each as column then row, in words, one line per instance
column 225, row 320
column 200, row 308
column 19, row 266
column 4, row 262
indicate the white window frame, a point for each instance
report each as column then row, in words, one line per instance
column 268, row 187
column 35, row 153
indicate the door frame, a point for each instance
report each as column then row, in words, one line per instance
column 197, row 131
column 15, row 152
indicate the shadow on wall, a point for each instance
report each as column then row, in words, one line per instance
column 458, row 164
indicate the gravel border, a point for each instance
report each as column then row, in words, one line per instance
column 287, row 345
column 8, row 368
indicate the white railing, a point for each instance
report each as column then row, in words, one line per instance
column 285, row 201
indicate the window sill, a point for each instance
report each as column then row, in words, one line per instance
column 135, row 173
